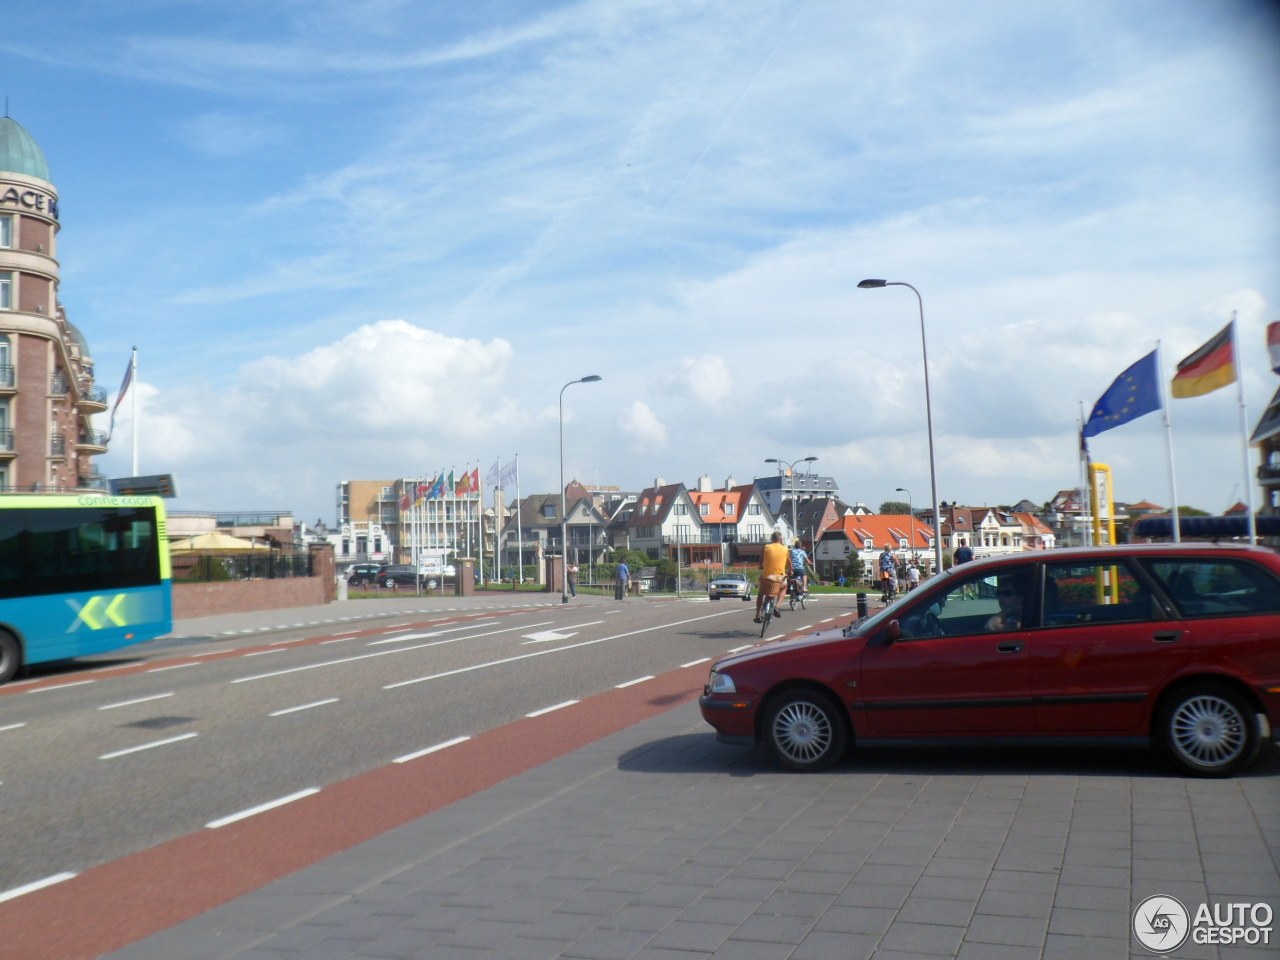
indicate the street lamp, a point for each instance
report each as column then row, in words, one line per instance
column 564, row 512
column 928, row 412
column 791, row 470
column 911, row 509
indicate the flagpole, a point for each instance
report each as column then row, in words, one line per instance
column 519, row 531
column 1244, row 427
column 134, row 377
column 1168, row 439
column 1086, row 529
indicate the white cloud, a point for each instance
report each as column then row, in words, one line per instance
column 642, row 428
column 706, row 379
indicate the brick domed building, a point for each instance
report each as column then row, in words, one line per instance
column 47, row 391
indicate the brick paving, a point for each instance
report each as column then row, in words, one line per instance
column 657, row 842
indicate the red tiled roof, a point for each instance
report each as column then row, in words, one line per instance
column 884, row 529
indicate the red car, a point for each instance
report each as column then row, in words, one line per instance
column 1174, row 645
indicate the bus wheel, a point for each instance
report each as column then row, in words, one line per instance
column 10, row 656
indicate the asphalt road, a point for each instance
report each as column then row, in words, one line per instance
column 116, row 754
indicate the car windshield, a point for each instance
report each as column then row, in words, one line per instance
column 731, row 577
column 868, row 625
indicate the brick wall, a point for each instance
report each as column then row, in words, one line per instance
column 238, row 596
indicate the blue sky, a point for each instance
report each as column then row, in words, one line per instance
column 370, row 239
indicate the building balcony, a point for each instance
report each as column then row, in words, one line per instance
column 94, row 481
column 58, row 385
column 92, row 441
column 58, row 445
column 6, row 442
column 8, row 377
column 93, row 400
column 1269, row 474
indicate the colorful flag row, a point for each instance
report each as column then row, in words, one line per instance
column 440, row 486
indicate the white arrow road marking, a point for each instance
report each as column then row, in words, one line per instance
column 546, row 636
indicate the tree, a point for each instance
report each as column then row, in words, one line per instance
column 894, row 506
column 1192, row 512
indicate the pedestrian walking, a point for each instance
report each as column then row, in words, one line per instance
column 624, row 576
column 573, row 580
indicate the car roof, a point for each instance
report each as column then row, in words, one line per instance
column 1196, row 549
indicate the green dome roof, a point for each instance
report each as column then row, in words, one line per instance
column 19, row 153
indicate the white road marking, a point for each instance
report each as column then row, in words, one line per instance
column 148, row 746
column 433, row 633
column 175, row 666
column 130, row 703
column 305, row 706
column 740, row 649
column 263, row 653
column 33, row 887
column 12, row 726
column 558, row 706
column 543, row 653
column 805, row 627
column 694, row 663
column 280, row 643
column 776, row 636
column 61, row 686
column 546, row 636
column 381, row 653
column 261, row 808
column 422, row 753
column 632, row 683
column 336, row 640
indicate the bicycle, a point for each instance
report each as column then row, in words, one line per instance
column 794, row 596
column 767, row 613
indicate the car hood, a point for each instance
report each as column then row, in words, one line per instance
column 829, row 637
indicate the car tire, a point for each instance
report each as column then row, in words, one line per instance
column 432, row 583
column 805, row 730
column 10, row 656
column 1208, row 730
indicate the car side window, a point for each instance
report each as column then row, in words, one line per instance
column 1078, row 594
column 1211, row 587
column 984, row 603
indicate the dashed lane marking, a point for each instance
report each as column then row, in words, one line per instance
column 61, row 686
column 33, row 887
column 174, row 666
column 558, row 706
column 694, row 663
column 305, row 706
column 422, row 753
column 261, row 808
column 12, row 726
column 632, row 683
column 147, row 746
column 130, row 703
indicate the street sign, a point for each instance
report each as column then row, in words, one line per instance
column 157, row 485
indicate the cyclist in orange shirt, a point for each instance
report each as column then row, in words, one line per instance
column 775, row 560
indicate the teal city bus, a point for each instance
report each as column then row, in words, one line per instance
column 80, row 575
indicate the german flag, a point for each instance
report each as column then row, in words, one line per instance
column 1209, row 368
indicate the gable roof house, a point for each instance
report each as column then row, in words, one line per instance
column 532, row 529
column 704, row 524
column 852, row 545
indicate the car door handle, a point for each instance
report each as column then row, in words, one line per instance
column 1010, row 646
column 1166, row 636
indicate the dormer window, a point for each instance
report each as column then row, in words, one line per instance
column 728, row 509
column 704, row 509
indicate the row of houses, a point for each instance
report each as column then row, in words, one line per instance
column 697, row 525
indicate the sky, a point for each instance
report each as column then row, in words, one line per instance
column 366, row 239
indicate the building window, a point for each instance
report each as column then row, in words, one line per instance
column 682, row 509
column 6, row 231
column 753, row 509
column 549, row 510
column 704, row 509
column 6, row 290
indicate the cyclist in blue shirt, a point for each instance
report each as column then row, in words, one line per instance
column 799, row 565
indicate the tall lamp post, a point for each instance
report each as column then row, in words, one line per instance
column 928, row 412
column 911, row 509
column 791, row 470
column 564, row 506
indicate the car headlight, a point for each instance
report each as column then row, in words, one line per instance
column 721, row 683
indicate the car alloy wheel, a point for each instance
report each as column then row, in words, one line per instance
column 1207, row 730
column 804, row 730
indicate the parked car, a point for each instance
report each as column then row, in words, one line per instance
column 399, row 575
column 729, row 585
column 1171, row 645
column 362, row 574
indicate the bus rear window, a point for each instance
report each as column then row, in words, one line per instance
column 75, row 550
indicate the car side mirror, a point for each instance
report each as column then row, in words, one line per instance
column 892, row 633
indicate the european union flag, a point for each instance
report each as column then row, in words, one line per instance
column 1135, row 393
